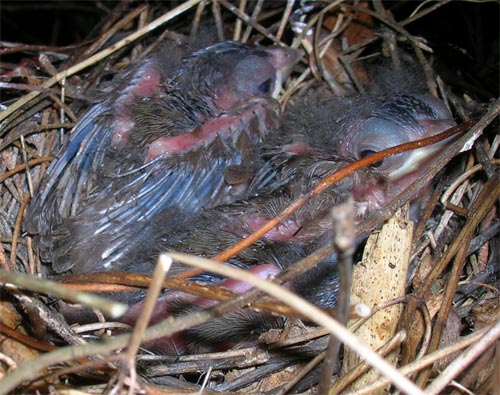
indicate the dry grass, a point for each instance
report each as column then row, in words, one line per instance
column 447, row 311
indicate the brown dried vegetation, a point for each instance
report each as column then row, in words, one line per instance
column 439, row 326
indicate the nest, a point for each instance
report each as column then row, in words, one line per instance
column 437, row 326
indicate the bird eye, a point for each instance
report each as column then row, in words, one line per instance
column 365, row 153
column 265, row 87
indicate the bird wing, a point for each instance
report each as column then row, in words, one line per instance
column 69, row 179
column 98, row 236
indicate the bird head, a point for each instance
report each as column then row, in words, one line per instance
column 231, row 73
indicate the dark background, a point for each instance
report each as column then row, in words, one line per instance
column 464, row 35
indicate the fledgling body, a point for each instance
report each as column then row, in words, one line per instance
column 315, row 139
column 158, row 145
column 143, row 163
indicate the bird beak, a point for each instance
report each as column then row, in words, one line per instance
column 283, row 60
column 417, row 158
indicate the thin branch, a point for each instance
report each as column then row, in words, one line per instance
column 51, row 288
column 318, row 316
column 101, row 55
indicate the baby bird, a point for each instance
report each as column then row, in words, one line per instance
column 316, row 138
column 350, row 128
column 159, row 144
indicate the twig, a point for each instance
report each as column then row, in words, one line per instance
column 253, row 19
column 30, row 88
column 196, row 20
column 11, row 47
column 113, row 309
column 238, row 23
column 101, row 55
column 303, row 372
column 422, row 13
column 218, row 19
column 326, row 183
column 182, row 364
column 110, row 31
column 483, row 237
column 97, row 326
column 458, row 249
column 284, row 19
column 362, row 367
column 24, row 339
column 464, row 176
column 464, row 360
column 22, row 167
column 247, row 20
column 112, row 282
column 17, row 229
column 488, row 196
column 422, row 363
column 318, row 316
column 29, row 370
column 343, row 241
column 129, row 369
column 162, row 267
column 392, row 24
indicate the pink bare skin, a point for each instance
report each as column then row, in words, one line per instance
column 159, row 138
column 236, row 102
column 146, row 83
column 178, row 344
column 223, row 126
